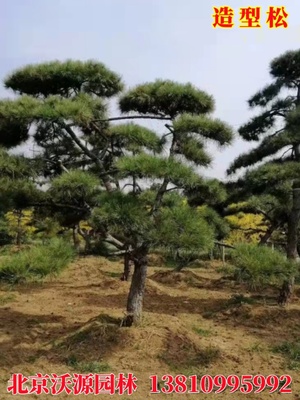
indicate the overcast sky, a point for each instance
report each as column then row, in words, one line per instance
column 148, row 39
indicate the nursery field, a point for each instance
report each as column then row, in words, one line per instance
column 195, row 322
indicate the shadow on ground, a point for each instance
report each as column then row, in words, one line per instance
column 26, row 338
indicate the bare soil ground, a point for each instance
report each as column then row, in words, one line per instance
column 190, row 326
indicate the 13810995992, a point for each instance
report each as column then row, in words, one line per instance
column 219, row 383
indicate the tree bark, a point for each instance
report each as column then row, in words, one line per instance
column 223, row 254
column 137, row 288
column 19, row 229
column 105, row 178
column 292, row 238
column 163, row 188
column 293, row 224
column 87, row 240
column 264, row 239
column 127, row 265
column 75, row 237
column 181, row 263
column 293, row 219
column 286, row 290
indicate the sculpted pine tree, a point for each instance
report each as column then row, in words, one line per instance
column 66, row 104
column 189, row 127
column 280, row 103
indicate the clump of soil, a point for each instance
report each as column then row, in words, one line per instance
column 95, row 340
column 174, row 278
column 182, row 353
column 156, row 260
column 151, row 290
column 111, row 284
column 242, row 311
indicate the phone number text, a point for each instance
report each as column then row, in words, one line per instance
column 168, row 384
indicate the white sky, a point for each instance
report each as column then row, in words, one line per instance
column 148, row 39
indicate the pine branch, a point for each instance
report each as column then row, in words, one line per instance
column 264, row 213
column 224, row 245
column 63, row 167
column 170, row 128
column 169, row 190
column 277, row 132
column 59, row 205
column 289, row 149
column 166, row 134
column 128, row 117
column 110, row 239
column 163, row 188
column 137, row 117
column 270, row 145
column 118, row 253
column 250, row 230
column 133, row 185
column 105, row 177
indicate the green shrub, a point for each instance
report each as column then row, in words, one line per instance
column 259, row 265
column 36, row 262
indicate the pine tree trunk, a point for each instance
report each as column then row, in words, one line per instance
column 75, row 237
column 107, row 184
column 293, row 219
column 88, row 245
column 223, row 254
column 19, row 229
column 292, row 244
column 293, row 224
column 286, row 292
column 137, row 288
column 264, row 239
column 87, row 240
column 127, row 265
column 181, row 263
column 292, row 237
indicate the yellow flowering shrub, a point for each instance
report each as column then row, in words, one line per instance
column 20, row 224
column 246, row 228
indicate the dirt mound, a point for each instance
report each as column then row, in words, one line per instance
column 151, row 290
column 182, row 353
column 113, row 284
column 241, row 311
column 174, row 278
column 156, row 260
column 93, row 341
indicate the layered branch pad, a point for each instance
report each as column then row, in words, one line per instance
column 166, row 98
column 65, row 79
column 285, row 72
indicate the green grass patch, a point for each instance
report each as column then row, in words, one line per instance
column 239, row 299
column 256, row 348
column 202, row 332
column 291, row 351
column 227, row 269
column 113, row 274
column 93, row 367
column 37, row 262
column 7, row 299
